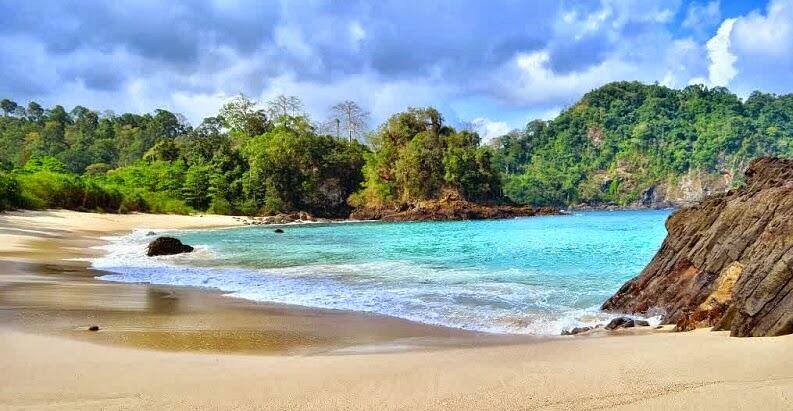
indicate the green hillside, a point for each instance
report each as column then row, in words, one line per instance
column 624, row 137
column 620, row 143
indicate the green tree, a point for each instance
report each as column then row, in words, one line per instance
column 8, row 106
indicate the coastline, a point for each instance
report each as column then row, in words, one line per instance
column 63, row 297
column 445, row 368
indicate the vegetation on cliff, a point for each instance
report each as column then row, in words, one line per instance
column 625, row 137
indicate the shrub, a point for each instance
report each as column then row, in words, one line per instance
column 158, row 202
column 10, row 196
column 50, row 189
column 220, row 205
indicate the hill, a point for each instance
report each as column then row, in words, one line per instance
column 627, row 143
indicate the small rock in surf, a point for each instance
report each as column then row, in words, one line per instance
column 167, row 246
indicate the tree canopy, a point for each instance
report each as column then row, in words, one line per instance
column 624, row 137
column 238, row 162
column 255, row 158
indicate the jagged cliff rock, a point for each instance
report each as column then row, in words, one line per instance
column 726, row 262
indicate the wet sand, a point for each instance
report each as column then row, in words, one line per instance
column 48, row 288
column 183, row 348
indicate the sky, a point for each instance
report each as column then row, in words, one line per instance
column 493, row 64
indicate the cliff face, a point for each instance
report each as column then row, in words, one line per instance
column 726, row 262
column 687, row 190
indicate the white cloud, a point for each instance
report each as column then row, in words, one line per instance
column 722, row 61
column 495, row 63
column 755, row 51
column 702, row 16
column 357, row 33
column 767, row 35
column 489, row 129
column 682, row 60
column 528, row 79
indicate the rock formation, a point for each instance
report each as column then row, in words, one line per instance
column 726, row 262
column 625, row 322
column 449, row 207
column 167, row 246
column 282, row 218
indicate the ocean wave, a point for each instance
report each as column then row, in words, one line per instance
column 499, row 300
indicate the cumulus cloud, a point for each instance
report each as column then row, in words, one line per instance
column 700, row 17
column 755, row 51
column 722, row 61
column 489, row 129
column 509, row 57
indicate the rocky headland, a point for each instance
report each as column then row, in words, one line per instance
column 447, row 208
column 727, row 262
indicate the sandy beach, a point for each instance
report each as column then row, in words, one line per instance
column 181, row 348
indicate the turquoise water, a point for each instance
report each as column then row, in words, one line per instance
column 529, row 275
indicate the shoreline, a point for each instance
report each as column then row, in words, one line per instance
column 68, row 305
column 397, row 363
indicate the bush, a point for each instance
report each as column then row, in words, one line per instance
column 97, row 169
column 220, row 205
column 49, row 189
column 247, row 207
column 53, row 190
column 158, row 202
column 10, row 196
column 96, row 197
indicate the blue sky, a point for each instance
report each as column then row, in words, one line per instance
column 497, row 64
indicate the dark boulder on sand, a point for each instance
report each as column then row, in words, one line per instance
column 576, row 330
column 167, row 246
column 625, row 322
column 620, row 322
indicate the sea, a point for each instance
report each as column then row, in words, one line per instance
column 532, row 275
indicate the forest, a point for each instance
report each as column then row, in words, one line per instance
column 253, row 159
column 624, row 137
column 245, row 160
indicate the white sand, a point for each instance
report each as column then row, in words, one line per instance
column 662, row 370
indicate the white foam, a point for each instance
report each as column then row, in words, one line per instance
column 453, row 298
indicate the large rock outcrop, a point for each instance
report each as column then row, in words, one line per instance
column 449, row 207
column 726, row 262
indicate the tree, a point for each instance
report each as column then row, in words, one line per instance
column 282, row 106
column 293, row 168
column 419, row 158
column 196, row 188
column 351, row 118
column 8, row 106
column 243, row 114
column 35, row 112
column 165, row 150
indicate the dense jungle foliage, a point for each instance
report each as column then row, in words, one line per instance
column 616, row 141
column 242, row 161
column 624, row 137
